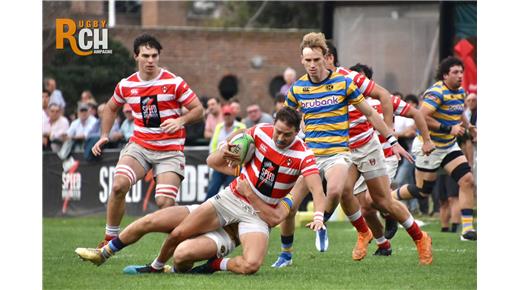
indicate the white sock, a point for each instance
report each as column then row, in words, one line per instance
column 380, row 240
column 355, row 216
column 408, row 222
column 112, row 230
column 157, row 265
column 223, row 264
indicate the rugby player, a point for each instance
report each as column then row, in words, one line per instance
column 280, row 158
column 443, row 107
column 156, row 97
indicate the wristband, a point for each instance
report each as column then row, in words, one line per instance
column 318, row 216
column 445, row 129
column 391, row 139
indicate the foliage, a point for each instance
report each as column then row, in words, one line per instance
column 98, row 73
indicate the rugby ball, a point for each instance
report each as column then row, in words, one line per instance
column 245, row 147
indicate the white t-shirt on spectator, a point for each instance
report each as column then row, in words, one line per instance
column 59, row 128
column 78, row 128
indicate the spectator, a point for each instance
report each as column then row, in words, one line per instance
column 93, row 109
column 59, row 127
column 87, row 97
column 279, row 100
column 237, row 110
column 114, row 137
column 127, row 127
column 46, row 124
column 76, row 136
column 56, row 95
column 213, row 117
column 289, row 76
column 222, row 131
column 256, row 116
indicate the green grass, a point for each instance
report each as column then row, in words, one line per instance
column 454, row 265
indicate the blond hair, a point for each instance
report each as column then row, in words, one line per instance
column 314, row 40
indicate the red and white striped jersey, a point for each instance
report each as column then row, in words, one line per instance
column 359, row 132
column 272, row 172
column 152, row 103
column 400, row 108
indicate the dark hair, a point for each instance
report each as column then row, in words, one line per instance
column 412, row 98
column 363, row 68
column 332, row 51
column 279, row 98
column 289, row 116
column 146, row 40
column 214, row 98
column 46, row 91
column 445, row 66
column 398, row 94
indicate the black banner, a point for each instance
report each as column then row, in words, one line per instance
column 86, row 190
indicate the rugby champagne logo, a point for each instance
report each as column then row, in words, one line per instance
column 85, row 37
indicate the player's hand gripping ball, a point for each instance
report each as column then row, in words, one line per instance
column 244, row 145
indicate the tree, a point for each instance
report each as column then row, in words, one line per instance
column 98, row 73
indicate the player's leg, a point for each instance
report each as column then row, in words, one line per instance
column 287, row 227
column 352, row 209
column 379, row 188
column 167, row 188
column 192, row 250
column 127, row 172
column 384, row 247
column 169, row 172
column 164, row 221
column 444, row 208
column 254, row 245
column 457, row 166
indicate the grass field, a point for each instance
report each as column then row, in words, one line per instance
column 454, row 262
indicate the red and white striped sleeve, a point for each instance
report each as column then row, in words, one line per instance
column 364, row 84
column 308, row 165
column 401, row 108
column 184, row 94
column 118, row 97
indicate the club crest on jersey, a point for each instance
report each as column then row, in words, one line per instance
column 289, row 162
column 306, row 89
column 372, row 161
column 329, row 87
column 164, row 89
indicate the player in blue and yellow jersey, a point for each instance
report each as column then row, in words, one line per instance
column 323, row 97
column 443, row 107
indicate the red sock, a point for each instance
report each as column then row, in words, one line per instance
column 385, row 245
column 108, row 238
column 415, row 232
column 215, row 264
column 360, row 225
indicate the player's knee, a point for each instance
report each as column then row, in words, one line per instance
column 467, row 181
column 251, row 267
column 121, row 185
column 182, row 254
column 292, row 212
column 164, row 202
column 367, row 210
column 178, row 234
column 148, row 223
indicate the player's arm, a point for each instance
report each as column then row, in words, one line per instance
column 272, row 216
column 420, row 122
column 385, row 98
column 315, row 186
column 428, row 110
column 380, row 126
column 217, row 161
column 194, row 114
column 107, row 121
column 472, row 129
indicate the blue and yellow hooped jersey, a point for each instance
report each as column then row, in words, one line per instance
column 448, row 106
column 325, row 111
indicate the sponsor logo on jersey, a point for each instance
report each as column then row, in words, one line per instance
column 323, row 102
column 150, row 111
column 306, row 89
column 267, row 177
column 133, row 92
column 329, row 87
